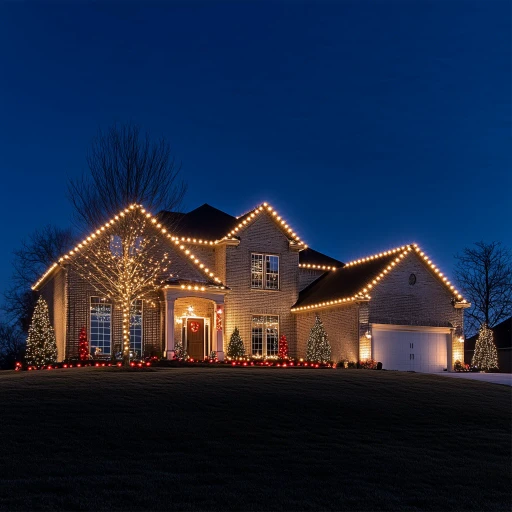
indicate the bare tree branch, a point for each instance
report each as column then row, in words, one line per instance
column 484, row 273
column 12, row 345
column 35, row 255
column 125, row 167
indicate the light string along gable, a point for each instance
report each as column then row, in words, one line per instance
column 363, row 294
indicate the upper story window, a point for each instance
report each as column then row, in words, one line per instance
column 116, row 245
column 264, row 271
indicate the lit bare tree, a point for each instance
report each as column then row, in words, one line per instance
column 484, row 273
column 36, row 254
column 125, row 167
column 124, row 260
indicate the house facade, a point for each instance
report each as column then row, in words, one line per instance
column 253, row 272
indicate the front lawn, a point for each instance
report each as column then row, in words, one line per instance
column 252, row 439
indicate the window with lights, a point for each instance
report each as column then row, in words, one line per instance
column 265, row 335
column 101, row 327
column 264, row 271
column 136, row 329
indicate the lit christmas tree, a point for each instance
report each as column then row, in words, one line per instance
column 485, row 356
column 318, row 344
column 179, row 351
column 41, row 343
column 283, row 348
column 236, row 347
column 83, row 345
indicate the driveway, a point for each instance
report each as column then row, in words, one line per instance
column 495, row 378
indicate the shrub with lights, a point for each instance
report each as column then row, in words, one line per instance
column 83, row 345
column 485, row 356
column 283, row 348
column 236, row 348
column 318, row 348
column 459, row 366
column 368, row 364
column 41, row 342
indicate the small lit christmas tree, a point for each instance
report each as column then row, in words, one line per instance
column 83, row 345
column 236, row 347
column 485, row 356
column 179, row 351
column 41, row 343
column 318, row 345
column 283, row 348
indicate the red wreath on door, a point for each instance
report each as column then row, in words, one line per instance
column 194, row 326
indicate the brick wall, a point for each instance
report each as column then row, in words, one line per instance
column 261, row 236
column 307, row 276
column 341, row 326
column 206, row 253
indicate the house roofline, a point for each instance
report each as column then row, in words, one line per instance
column 364, row 292
column 94, row 234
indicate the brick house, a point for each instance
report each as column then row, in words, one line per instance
column 253, row 272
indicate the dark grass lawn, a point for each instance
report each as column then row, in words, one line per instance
column 252, row 439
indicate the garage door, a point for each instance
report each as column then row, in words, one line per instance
column 419, row 350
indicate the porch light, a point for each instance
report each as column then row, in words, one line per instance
column 368, row 334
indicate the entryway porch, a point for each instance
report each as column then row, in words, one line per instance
column 194, row 318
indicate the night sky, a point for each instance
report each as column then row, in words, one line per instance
column 365, row 124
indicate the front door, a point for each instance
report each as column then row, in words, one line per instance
column 195, row 338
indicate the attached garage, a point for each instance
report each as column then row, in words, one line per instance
column 409, row 348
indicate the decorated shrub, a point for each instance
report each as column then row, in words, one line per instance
column 236, row 348
column 318, row 345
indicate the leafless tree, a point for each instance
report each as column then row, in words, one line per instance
column 125, row 167
column 12, row 345
column 484, row 274
column 36, row 254
column 125, row 261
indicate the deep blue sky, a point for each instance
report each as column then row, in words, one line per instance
column 366, row 124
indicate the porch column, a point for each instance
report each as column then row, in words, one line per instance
column 220, row 315
column 169, row 328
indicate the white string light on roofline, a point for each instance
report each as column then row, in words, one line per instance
column 363, row 294
column 254, row 213
column 316, row 267
column 110, row 223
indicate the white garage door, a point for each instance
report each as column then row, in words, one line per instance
column 419, row 350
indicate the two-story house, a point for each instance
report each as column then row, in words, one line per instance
column 254, row 272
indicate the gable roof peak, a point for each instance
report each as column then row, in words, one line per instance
column 250, row 216
column 156, row 223
column 356, row 279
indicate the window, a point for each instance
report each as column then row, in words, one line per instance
column 136, row 329
column 101, row 322
column 265, row 335
column 116, row 246
column 257, row 270
column 267, row 275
